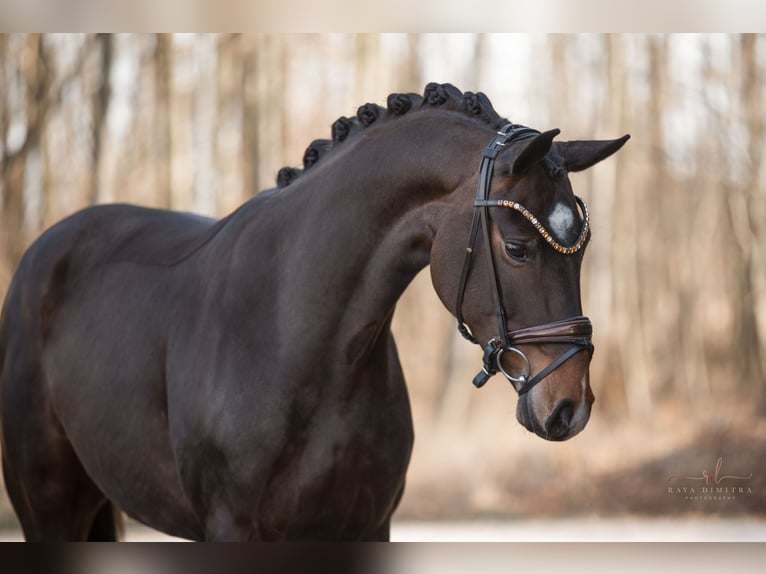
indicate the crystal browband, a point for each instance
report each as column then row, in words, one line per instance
column 539, row 226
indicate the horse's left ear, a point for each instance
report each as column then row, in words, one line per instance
column 535, row 150
column 580, row 155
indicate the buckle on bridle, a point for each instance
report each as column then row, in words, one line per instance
column 489, row 362
column 493, row 351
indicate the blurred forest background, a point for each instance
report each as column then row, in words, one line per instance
column 674, row 279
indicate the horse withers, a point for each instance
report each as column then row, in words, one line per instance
column 238, row 380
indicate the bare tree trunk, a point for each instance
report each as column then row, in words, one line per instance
column 413, row 68
column 163, row 138
column 250, row 148
column 625, row 243
column 231, row 97
column 5, row 269
column 204, row 121
column 746, row 212
column 4, row 113
column 263, row 131
column 673, row 343
column 100, row 107
column 36, row 77
column 366, row 71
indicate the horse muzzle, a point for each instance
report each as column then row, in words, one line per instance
column 569, row 412
column 564, row 420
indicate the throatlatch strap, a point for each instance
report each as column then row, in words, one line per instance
column 461, row 326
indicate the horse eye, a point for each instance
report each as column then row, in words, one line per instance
column 516, row 251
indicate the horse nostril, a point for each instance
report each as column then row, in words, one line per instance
column 557, row 425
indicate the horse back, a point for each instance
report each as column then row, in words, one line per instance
column 94, row 236
column 141, row 235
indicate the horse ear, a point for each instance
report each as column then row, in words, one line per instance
column 580, row 155
column 536, row 150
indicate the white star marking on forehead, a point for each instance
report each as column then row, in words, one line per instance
column 561, row 222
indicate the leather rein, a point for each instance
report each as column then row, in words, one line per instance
column 574, row 331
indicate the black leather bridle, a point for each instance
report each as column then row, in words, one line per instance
column 575, row 331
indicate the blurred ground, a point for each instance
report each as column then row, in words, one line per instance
column 566, row 530
column 613, row 468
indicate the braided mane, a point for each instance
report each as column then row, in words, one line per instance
column 447, row 96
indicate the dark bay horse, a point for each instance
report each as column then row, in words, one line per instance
column 237, row 379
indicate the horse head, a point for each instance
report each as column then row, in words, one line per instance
column 513, row 280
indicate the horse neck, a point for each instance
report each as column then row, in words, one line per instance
column 363, row 220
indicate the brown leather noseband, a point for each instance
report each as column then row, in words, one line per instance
column 574, row 331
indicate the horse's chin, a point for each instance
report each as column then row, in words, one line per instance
column 527, row 418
